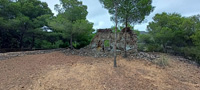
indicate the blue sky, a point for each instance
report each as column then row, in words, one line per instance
column 101, row 18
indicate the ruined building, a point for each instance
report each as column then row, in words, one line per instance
column 104, row 41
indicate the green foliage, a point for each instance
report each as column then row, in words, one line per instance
column 172, row 33
column 106, row 43
column 72, row 24
column 137, row 32
column 128, row 11
column 58, row 43
column 171, row 30
column 113, row 29
column 192, row 53
column 72, row 9
column 196, row 38
column 147, row 43
column 75, row 44
column 131, row 27
column 134, row 11
column 21, row 23
column 46, row 45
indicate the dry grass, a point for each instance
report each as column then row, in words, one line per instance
column 55, row 71
column 163, row 61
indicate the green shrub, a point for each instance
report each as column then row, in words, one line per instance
column 46, row 45
column 75, row 44
column 64, row 45
column 58, row 44
column 193, row 52
column 149, row 47
column 106, row 43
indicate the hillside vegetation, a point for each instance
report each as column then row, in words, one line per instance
column 30, row 25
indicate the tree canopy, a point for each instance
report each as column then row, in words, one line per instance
column 71, row 20
column 134, row 11
column 20, row 20
column 30, row 24
column 173, row 33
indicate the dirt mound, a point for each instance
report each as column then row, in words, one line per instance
column 56, row 71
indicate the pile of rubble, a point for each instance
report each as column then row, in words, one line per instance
column 96, row 54
column 145, row 56
column 86, row 52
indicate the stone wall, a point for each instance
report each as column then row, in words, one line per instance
column 104, row 41
column 8, row 55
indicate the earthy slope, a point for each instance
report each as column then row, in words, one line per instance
column 56, row 71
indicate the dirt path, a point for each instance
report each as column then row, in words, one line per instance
column 56, row 71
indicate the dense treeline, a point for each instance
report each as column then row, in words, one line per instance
column 30, row 24
column 173, row 33
column 20, row 22
column 72, row 24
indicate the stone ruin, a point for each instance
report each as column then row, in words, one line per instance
column 102, row 45
column 105, row 39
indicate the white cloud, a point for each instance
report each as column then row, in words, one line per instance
column 97, row 14
column 183, row 7
column 101, row 18
column 51, row 4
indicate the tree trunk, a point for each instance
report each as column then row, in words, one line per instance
column 115, row 47
column 22, row 36
column 125, row 54
column 33, row 41
column 1, row 37
column 71, row 45
column 21, row 41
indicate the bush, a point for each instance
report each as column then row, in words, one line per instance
column 163, row 61
column 75, row 44
column 58, row 44
column 193, row 52
column 64, row 45
column 106, row 43
column 44, row 44
column 149, row 47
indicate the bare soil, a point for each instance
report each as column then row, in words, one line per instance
column 56, row 71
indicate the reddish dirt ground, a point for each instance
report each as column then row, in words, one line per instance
column 56, row 71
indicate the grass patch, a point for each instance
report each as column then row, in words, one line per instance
column 163, row 61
